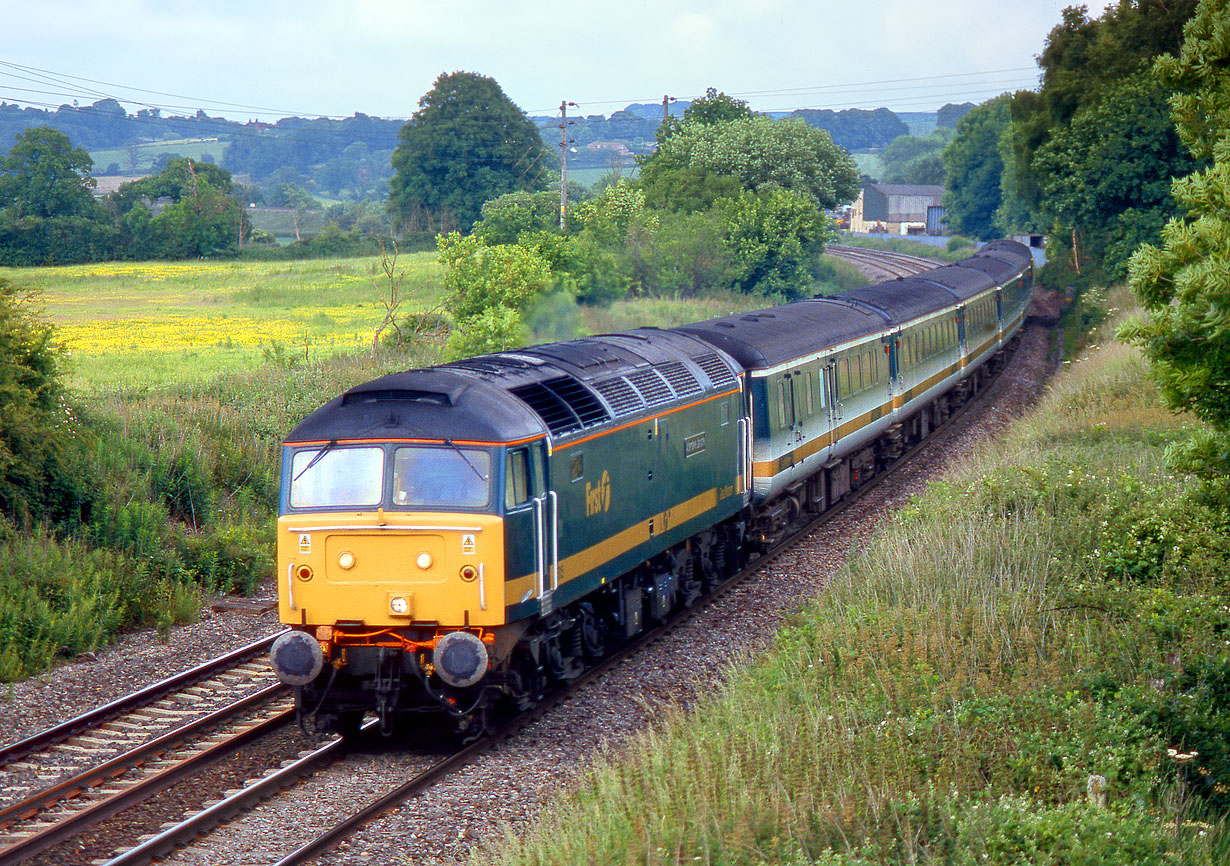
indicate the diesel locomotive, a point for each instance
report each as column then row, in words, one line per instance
column 468, row 536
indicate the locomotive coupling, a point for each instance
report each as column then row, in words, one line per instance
column 296, row 658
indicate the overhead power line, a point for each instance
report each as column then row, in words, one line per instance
column 952, row 87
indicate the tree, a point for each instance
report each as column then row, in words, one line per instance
column 45, row 176
column 974, row 169
column 913, row 160
column 948, row 115
column 467, row 144
column 203, row 216
column 34, row 441
column 47, row 209
column 1081, row 61
column 1185, row 283
column 856, row 128
column 757, row 152
column 508, row 217
column 1106, row 176
column 773, row 238
column 711, row 109
column 487, row 289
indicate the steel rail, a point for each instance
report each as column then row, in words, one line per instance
column 141, row 790
column 127, row 703
column 188, row 829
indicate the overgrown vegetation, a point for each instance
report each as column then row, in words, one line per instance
column 1086, row 159
column 1046, row 624
column 124, row 514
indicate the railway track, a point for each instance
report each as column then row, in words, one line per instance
column 880, row 264
column 69, row 778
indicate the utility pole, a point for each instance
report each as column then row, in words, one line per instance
column 564, row 141
column 666, row 103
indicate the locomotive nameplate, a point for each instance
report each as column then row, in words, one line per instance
column 694, row 445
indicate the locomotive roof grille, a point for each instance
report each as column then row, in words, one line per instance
column 715, row 368
column 622, row 397
column 652, row 387
column 563, row 403
column 680, row 379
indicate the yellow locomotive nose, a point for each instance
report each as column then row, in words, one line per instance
column 415, row 566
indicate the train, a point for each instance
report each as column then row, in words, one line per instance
column 467, row 537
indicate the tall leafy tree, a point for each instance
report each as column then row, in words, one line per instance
column 756, row 152
column 1185, row 283
column 45, row 176
column 1082, row 61
column 975, row 168
column 47, row 209
column 1106, row 175
column 203, row 216
column 467, row 144
column 712, row 108
column 912, row 160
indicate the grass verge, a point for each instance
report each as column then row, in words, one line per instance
column 1028, row 665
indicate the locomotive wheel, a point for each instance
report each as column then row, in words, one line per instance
column 593, row 634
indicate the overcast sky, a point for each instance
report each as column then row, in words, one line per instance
column 264, row 59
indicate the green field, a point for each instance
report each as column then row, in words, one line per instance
column 148, row 153
column 150, row 324
column 141, row 324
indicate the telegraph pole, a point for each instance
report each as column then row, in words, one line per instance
column 666, row 103
column 564, row 141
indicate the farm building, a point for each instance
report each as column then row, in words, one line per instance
column 898, row 209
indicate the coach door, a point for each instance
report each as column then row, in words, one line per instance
column 831, row 404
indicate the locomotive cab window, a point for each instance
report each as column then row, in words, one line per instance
column 337, row 477
column 517, row 478
column 435, row 477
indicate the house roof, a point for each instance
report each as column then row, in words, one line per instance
column 907, row 189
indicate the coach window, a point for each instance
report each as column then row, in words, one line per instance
column 785, row 405
column 517, row 479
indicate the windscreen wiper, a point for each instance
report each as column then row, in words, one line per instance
column 332, row 443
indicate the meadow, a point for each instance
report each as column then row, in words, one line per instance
column 1027, row 665
column 140, row 324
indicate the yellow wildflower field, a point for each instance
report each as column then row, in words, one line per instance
column 148, row 323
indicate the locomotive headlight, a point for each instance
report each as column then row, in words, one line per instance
column 399, row 605
column 346, row 559
column 423, row 560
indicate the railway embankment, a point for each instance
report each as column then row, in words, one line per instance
column 1027, row 663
